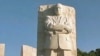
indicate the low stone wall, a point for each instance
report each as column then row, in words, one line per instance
column 28, row 51
column 2, row 49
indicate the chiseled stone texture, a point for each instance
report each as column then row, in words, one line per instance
column 48, row 10
column 2, row 49
column 28, row 51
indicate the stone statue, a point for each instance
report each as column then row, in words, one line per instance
column 2, row 49
column 55, row 32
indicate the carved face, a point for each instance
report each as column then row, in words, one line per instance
column 58, row 9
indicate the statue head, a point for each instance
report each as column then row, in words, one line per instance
column 58, row 9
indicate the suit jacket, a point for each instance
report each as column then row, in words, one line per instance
column 58, row 40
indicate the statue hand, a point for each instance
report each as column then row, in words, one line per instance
column 58, row 27
column 67, row 29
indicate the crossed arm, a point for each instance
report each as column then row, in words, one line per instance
column 50, row 24
column 59, row 28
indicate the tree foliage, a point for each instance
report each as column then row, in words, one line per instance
column 91, row 53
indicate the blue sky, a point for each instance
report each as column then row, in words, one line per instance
column 18, row 23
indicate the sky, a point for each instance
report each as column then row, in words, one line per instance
column 18, row 23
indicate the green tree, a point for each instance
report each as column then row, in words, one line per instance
column 98, row 52
column 81, row 53
column 92, row 53
column 85, row 54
